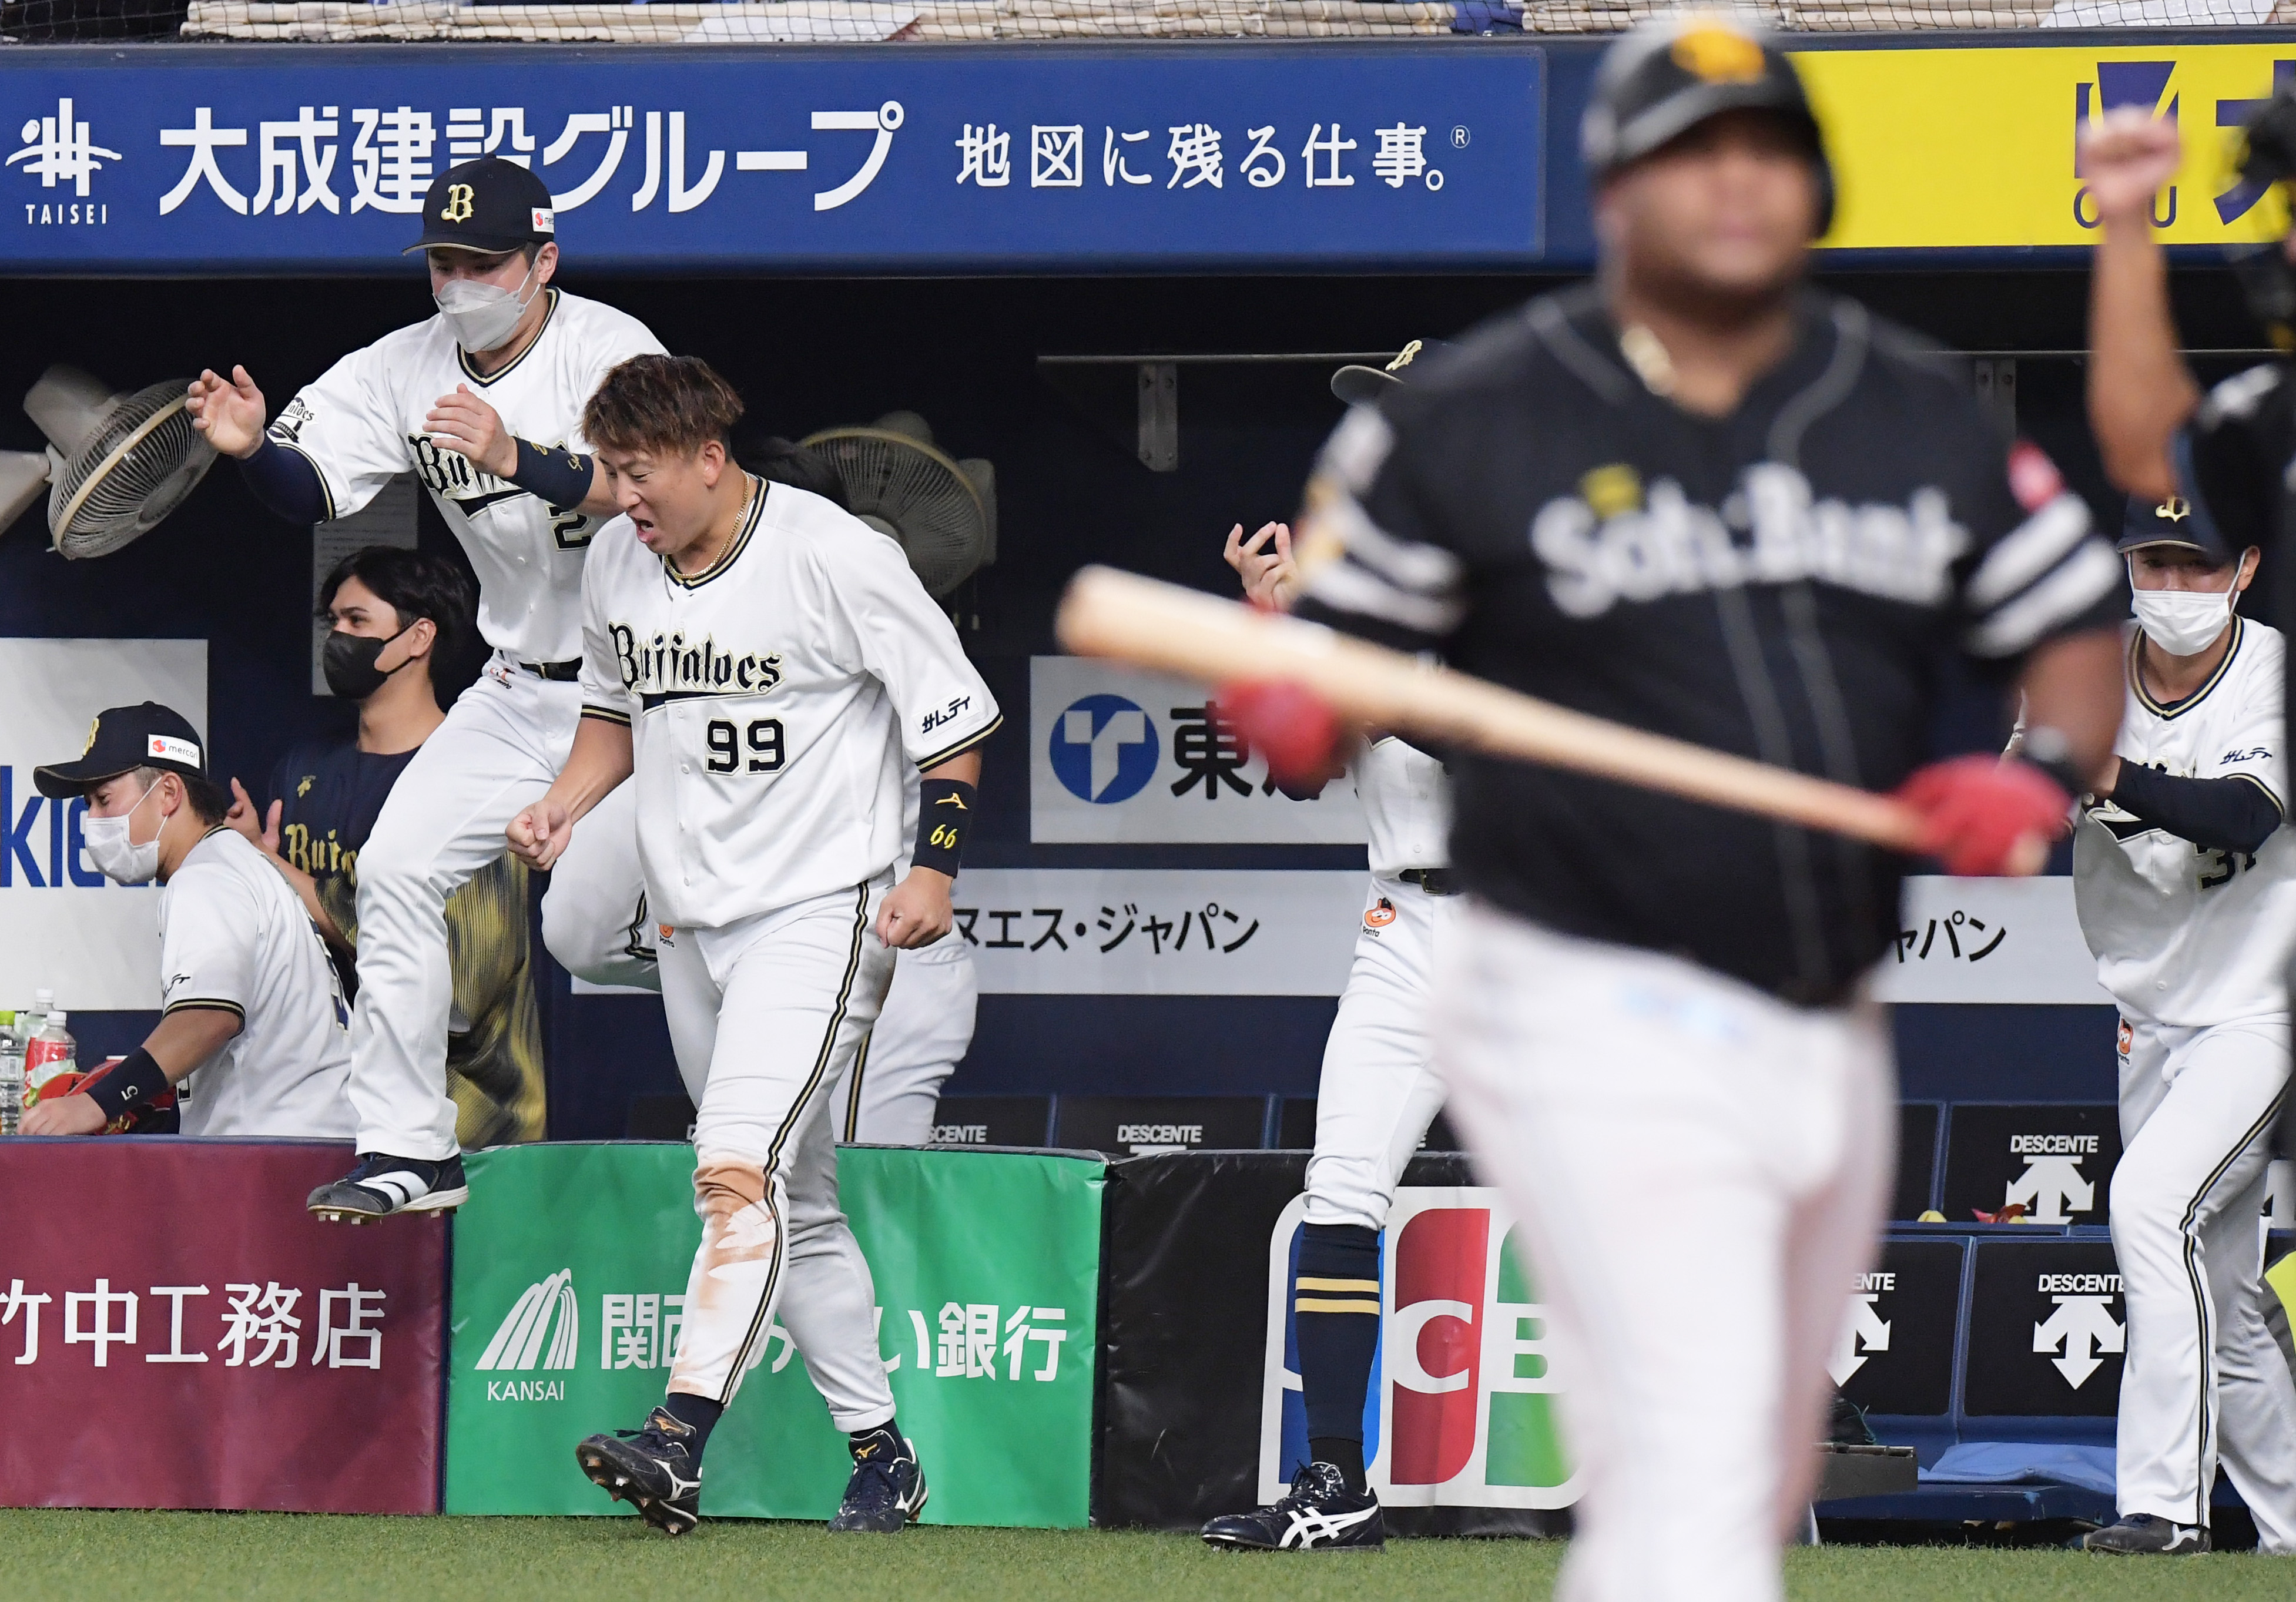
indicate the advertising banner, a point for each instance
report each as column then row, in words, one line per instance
column 1139, row 157
column 1959, row 149
column 1197, row 1358
column 2047, row 1330
column 1461, row 1409
column 1160, row 932
column 1120, row 755
column 177, row 1332
column 570, row 1266
column 2054, row 1160
column 1895, row 1352
column 1990, row 941
column 62, row 924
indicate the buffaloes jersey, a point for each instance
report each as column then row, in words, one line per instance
column 2184, row 934
column 363, row 421
column 1784, row 583
column 773, row 699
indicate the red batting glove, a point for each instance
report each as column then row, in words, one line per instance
column 1981, row 816
column 1299, row 734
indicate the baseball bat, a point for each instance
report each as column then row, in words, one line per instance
column 1188, row 633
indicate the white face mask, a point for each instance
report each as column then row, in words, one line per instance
column 2183, row 622
column 483, row 314
column 115, row 857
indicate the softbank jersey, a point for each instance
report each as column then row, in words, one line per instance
column 773, row 699
column 1785, row 583
column 362, row 422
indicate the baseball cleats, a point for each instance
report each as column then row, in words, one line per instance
column 2143, row 1534
column 888, row 1489
column 1320, row 1515
column 381, row 1185
column 651, row 1469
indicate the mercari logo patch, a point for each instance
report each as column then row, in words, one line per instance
column 1104, row 749
column 1460, row 1411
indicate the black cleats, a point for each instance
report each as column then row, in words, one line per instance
column 381, row 1185
column 1320, row 1515
column 650, row 1468
column 2143, row 1534
column 887, row 1490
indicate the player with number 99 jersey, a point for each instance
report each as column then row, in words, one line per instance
column 773, row 699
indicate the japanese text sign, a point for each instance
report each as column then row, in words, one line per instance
column 714, row 159
column 176, row 1331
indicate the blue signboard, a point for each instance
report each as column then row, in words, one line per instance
column 889, row 159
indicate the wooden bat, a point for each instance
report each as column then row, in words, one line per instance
column 1199, row 636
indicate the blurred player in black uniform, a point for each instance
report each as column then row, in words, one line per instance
column 1695, row 497
column 396, row 614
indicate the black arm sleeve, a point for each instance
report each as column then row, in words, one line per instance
column 2231, row 814
column 286, row 481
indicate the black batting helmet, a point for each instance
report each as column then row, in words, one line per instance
column 1672, row 73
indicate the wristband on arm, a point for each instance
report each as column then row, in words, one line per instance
column 135, row 1080
column 559, row 478
column 944, row 820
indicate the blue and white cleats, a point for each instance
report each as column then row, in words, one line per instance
column 381, row 1185
column 1319, row 1514
column 888, row 1489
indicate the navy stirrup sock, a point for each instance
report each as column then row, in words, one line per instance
column 1335, row 1309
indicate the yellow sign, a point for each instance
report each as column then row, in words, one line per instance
column 1971, row 149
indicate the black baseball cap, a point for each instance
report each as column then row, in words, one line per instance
column 1672, row 73
column 2176, row 521
column 123, row 738
column 1357, row 385
column 489, row 205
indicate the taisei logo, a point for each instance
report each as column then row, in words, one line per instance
column 1460, row 1411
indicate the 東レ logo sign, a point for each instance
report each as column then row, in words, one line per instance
column 1104, row 749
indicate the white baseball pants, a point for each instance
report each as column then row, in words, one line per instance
column 502, row 744
column 2204, row 1378
column 1701, row 1169
column 594, row 917
column 765, row 1017
column 1378, row 1091
column 593, row 920
column 922, row 1033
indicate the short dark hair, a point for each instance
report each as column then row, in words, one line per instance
column 771, row 457
column 666, row 403
column 207, row 799
column 414, row 584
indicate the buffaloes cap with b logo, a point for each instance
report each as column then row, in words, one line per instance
column 125, row 738
column 487, row 205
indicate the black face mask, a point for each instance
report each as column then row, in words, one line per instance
column 349, row 663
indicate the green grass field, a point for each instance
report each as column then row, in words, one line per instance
column 294, row 1558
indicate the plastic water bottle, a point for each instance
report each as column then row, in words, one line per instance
column 52, row 1051
column 12, row 1075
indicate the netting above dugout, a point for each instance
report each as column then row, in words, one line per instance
column 860, row 21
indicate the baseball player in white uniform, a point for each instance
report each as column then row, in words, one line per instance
column 483, row 400
column 253, row 1034
column 765, row 666
column 595, row 922
column 2185, row 882
column 1377, row 1094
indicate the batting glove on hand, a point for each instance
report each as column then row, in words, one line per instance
column 1301, row 736
column 1981, row 816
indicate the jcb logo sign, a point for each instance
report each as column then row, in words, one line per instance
column 458, row 209
column 1460, row 1407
